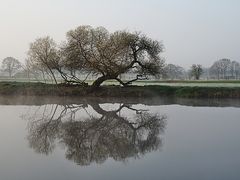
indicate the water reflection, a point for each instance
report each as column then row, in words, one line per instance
column 92, row 133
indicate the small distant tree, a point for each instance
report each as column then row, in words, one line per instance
column 235, row 69
column 172, row 71
column 196, row 71
column 10, row 65
column 216, row 69
column 221, row 68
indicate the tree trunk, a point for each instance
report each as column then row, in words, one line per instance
column 99, row 81
column 121, row 82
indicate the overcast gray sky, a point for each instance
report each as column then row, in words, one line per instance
column 192, row 31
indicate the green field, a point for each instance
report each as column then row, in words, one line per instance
column 181, row 83
column 210, row 83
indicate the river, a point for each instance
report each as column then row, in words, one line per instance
column 71, row 138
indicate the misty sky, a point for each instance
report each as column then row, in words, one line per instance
column 192, row 31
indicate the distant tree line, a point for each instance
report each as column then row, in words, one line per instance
column 221, row 69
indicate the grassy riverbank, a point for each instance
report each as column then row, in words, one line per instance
column 40, row 89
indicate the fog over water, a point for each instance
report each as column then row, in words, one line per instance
column 192, row 31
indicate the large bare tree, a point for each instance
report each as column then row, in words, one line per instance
column 109, row 55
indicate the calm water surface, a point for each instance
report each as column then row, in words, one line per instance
column 90, row 139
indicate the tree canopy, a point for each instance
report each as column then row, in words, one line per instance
column 98, row 52
column 111, row 54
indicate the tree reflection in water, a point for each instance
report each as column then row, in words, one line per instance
column 96, row 136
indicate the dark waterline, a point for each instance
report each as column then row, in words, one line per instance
column 49, row 138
